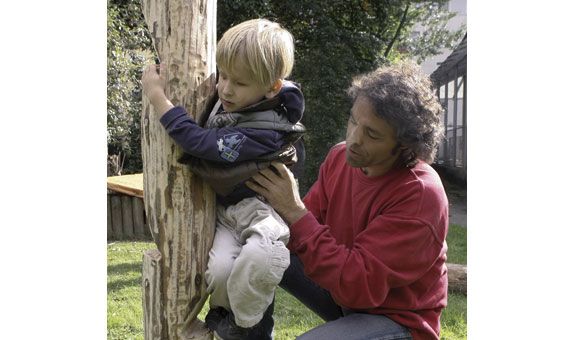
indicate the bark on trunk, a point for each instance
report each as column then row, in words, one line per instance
column 180, row 208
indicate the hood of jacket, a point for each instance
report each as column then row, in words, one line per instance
column 289, row 100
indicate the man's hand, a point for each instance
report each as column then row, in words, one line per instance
column 280, row 189
column 153, row 85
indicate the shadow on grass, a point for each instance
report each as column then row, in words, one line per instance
column 122, row 272
column 117, row 285
column 125, row 268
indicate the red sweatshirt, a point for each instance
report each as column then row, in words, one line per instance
column 377, row 244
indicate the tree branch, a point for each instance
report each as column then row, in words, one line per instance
column 401, row 24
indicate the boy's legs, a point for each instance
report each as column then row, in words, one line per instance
column 342, row 324
column 223, row 253
column 259, row 267
column 256, row 273
column 250, row 273
column 265, row 328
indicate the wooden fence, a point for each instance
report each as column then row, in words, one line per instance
column 126, row 218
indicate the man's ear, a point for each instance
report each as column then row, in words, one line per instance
column 274, row 90
column 398, row 148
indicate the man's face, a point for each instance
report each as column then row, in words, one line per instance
column 238, row 89
column 370, row 140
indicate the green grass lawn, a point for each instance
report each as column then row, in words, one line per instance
column 457, row 244
column 125, row 316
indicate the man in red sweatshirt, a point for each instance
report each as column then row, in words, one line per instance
column 368, row 239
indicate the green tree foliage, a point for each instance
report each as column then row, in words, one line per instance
column 433, row 34
column 335, row 40
column 128, row 45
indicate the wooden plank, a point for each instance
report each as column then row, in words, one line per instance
column 455, row 91
column 123, row 190
column 116, row 207
column 110, row 231
column 127, row 220
column 465, row 121
column 132, row 185
column 138, row 216
column 446, row 116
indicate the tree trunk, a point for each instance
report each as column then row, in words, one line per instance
column 180, row 208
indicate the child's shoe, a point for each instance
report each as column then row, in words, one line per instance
column 214, row 316
column 228, row 329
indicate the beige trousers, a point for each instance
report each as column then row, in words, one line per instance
column 247, row 259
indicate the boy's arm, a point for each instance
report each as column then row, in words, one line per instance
column 222, row 145
column 153, row 86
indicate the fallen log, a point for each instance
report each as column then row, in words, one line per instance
column 457, row 277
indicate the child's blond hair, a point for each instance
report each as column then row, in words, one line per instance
column 265, row 47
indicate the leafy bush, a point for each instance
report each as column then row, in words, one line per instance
column 129, row 49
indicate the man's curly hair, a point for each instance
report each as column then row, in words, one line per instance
column 403, row 96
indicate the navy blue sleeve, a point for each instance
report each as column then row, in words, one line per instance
column 224, row 145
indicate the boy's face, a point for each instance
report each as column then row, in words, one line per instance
column 238, row 89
